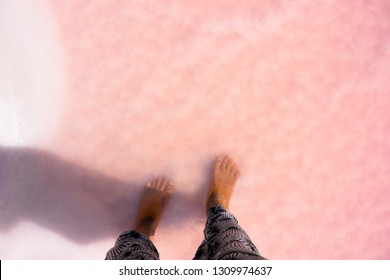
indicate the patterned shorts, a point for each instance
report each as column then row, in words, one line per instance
column 224, row 240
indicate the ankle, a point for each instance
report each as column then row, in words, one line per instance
column 146, row 227
column 216, row 199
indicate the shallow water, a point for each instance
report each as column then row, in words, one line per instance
column 98, row 98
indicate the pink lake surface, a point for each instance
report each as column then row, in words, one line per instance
column 98, row 97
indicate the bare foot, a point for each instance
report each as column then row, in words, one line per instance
column 221, row 187
column 153, row 201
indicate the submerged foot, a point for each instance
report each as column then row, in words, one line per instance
column 155, row 197
column 224, row 178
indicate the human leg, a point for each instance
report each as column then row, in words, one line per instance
column 136, row 243
column 224, row 238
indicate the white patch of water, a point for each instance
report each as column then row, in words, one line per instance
column 31, row 73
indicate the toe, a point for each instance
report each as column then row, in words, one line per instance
column 229, row 164
column 233, row 168
column 162, row 183
column 224, row 163
column 156, row 183
column 169, row 187
column 218, row 162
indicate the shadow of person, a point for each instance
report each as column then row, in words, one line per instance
column 81, row 204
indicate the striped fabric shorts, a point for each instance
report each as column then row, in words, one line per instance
column 224, row 239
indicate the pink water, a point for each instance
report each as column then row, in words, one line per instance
column 297, row 92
